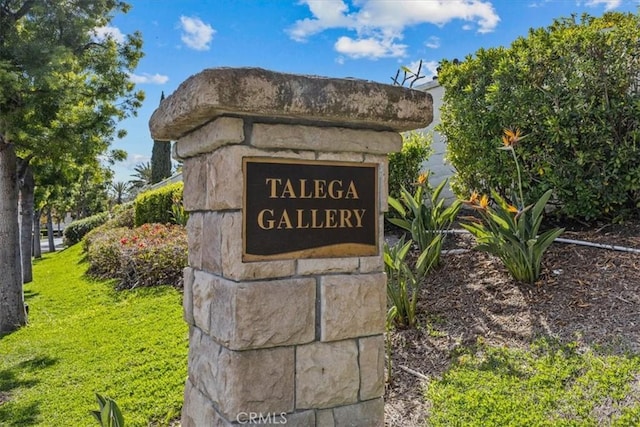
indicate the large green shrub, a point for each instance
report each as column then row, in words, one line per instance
column 75, row 231
column 573, row 88
column 404, row 166
column 156, row 205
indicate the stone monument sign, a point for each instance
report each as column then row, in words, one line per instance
column 285, row 182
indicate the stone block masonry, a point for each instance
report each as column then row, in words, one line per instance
column 294, row 335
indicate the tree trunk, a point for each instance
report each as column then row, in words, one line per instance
column 26, row 197
column 12, row 310
column 37, row 248
column 52, row 243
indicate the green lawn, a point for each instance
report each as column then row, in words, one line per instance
column 83, row 337
column 547, row 385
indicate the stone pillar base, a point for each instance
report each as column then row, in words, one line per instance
column 292, row 334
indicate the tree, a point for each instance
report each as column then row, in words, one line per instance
column 119, row 190
column 574, row 89
column 12, row 312
column 62, row 92
column 160, row 158
column 142, row 176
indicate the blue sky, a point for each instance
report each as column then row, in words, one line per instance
column 366, row 39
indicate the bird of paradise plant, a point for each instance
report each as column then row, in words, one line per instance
column 511, row 232
column 108, row 415
column 425, row 216
column 402, row 285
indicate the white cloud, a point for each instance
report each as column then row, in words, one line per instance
column 378, row 25
column 135, row 159
column 101, row 33
column 196, row 34
column 433, row 42
column 608, row 4
column 369, row 48
column 327, row 14
column 157, row 79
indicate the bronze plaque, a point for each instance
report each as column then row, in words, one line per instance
column 309, row 209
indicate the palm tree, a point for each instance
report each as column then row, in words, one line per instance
column 119, row 190
column 142, row 176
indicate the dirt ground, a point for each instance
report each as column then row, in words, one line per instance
column 585, row 294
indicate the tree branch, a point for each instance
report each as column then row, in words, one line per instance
column 24, row 9
column 23, row 165
column 86, row 47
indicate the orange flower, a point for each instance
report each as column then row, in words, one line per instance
column 511, row 137
column 484, row 201
column 474, row 198
column 512, row 209
column 422, row 178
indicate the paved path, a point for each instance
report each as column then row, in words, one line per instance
column 44, row 244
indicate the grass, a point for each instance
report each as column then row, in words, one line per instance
column 85, row 338
column 547, row 385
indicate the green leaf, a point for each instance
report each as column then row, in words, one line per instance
column 547, row 238
column 101, row 401
column 436, row 192
column 96, row 415
column 402, row 223
column 397, row 206
column 413, row 203
column 538, row 209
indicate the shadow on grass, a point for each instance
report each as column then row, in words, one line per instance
column 28, row 294
column 19, row 415
column 84, row 258
column 9, row 378
column 16, row 413
column 140, row 293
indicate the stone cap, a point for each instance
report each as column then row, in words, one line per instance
column 278, row 97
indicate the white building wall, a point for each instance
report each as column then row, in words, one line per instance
column 440, row 169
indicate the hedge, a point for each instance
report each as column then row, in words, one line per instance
column 572, row 89
column 154, row 206
column 75, row 231
column 405, row 165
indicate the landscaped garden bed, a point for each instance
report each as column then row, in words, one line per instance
column 562, row 351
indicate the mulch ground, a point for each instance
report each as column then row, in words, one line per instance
column 585, row 295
